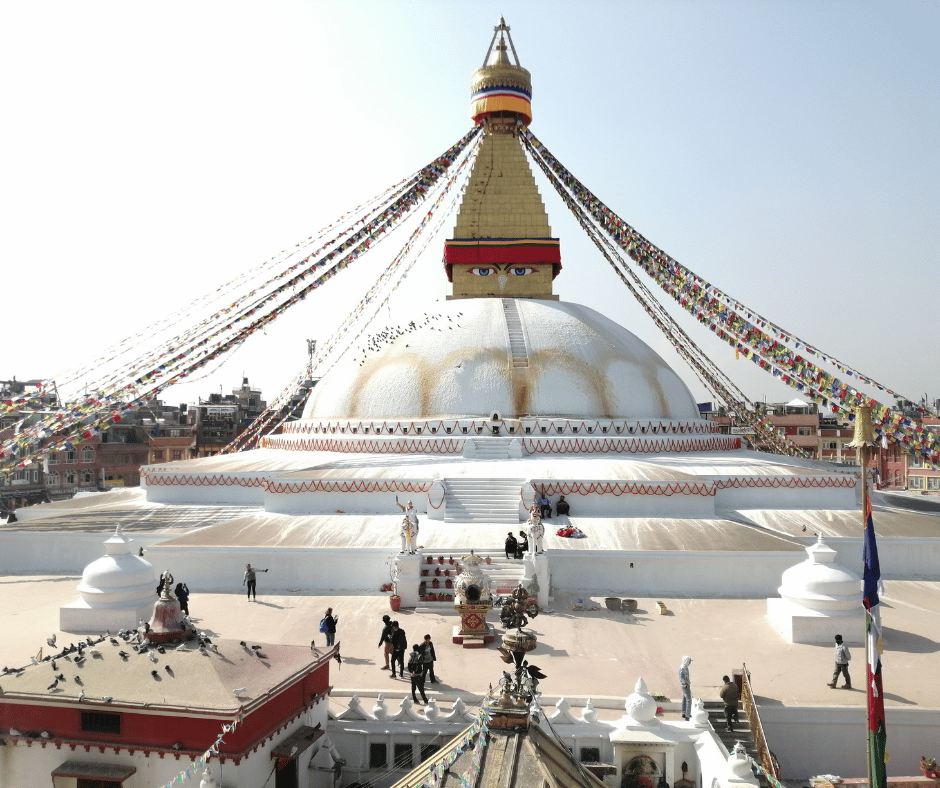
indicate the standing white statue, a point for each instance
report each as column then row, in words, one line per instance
column 536, row 530
column 409, row 527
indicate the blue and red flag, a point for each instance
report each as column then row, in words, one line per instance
column 871, row 578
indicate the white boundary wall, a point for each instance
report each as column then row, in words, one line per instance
column 811, row 740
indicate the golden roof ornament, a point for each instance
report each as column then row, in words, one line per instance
column 864, row 431
column 501, row 89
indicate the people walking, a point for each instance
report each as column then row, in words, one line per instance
column 250, row 580
column 685, row 683
column 399, row 646
column 428, row 658
column 328, row 626
column 730, row 695
column 416, row 671
column 842, row 664
column 385, row 639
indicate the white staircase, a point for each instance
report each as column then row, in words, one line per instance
column 489, row 448
column 482, row 500
column 517, row 346
column 504, row 573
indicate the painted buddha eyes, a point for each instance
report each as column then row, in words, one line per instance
column 515, row 271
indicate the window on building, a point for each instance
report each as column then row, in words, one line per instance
column 69, row 456
column 915, row 482
column 804, row 431
column 427, row 751
column 101, row 722
column 177, row 455
column 87, row 477
column 933, row 483
column 70, row 477
column 830, row 445
column 52, row 479
column 34, row 475
column 88, row 454
column 915, row 462
column 378, row 755
column 403, row 756
column 54, row 458
column 590, row 755
column 897, row 478
column 159, row 456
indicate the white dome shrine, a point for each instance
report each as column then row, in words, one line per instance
column 117, row 590
column 514, row 357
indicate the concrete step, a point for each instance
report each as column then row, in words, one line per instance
column 482, row 500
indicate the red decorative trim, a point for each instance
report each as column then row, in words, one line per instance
column 627, row 488
column 803, row 482
column 200, row 480
column 367, row 446
column 345, row 486
column 629, row 446
column 387, row 427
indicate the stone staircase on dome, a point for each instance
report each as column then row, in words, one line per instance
column 492, row 448
column 482, row 500
column 742, row 731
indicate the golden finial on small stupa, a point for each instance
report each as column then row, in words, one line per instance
column 864, row 431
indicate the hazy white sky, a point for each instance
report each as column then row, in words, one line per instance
column 785, row 151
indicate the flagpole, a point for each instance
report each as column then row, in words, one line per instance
column 863, row 438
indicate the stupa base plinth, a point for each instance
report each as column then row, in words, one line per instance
column 476, row 640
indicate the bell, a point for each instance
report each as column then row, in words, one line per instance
column 864, row 431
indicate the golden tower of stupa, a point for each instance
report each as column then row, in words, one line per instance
column 502, row 245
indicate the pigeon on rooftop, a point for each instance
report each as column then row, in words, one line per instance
column 51, row 641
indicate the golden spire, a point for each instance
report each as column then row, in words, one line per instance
column 501, row 89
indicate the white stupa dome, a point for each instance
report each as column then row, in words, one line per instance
column 820, row 584
column 119, row 579
column 472, row 358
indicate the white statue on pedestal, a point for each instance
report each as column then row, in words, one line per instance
column 536, row 530
column 409, row 528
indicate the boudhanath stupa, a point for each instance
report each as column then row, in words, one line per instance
column 501, row 392
column 461, row 418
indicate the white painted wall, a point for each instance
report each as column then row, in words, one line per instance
column 825, row 740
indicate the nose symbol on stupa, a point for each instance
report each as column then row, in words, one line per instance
column 502, row 282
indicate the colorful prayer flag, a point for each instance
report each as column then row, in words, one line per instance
column 877, row 732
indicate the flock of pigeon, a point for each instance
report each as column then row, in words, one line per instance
column 375, row 342
column 131, row 642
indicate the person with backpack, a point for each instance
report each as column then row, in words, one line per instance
column 842, row 664
column 416, row 671
column 428, row 657
column 328, row 626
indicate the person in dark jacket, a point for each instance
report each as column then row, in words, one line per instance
column 330, row 620
column 561, row 508
column 399, row 646
column 182, row 594
column 522, row 545
column 511, row 546
column 730, row 694
column 416, row 671
column 385, row 639
column 428, row 657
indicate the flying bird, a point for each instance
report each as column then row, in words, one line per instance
column 532, row 670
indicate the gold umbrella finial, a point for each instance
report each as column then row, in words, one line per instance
column 864, row 431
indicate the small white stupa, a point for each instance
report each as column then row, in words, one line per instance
column 118, row 590
column 818, row 599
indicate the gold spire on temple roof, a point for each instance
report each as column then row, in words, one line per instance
column 501, row 88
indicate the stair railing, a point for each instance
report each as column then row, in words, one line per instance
column 767, row 759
